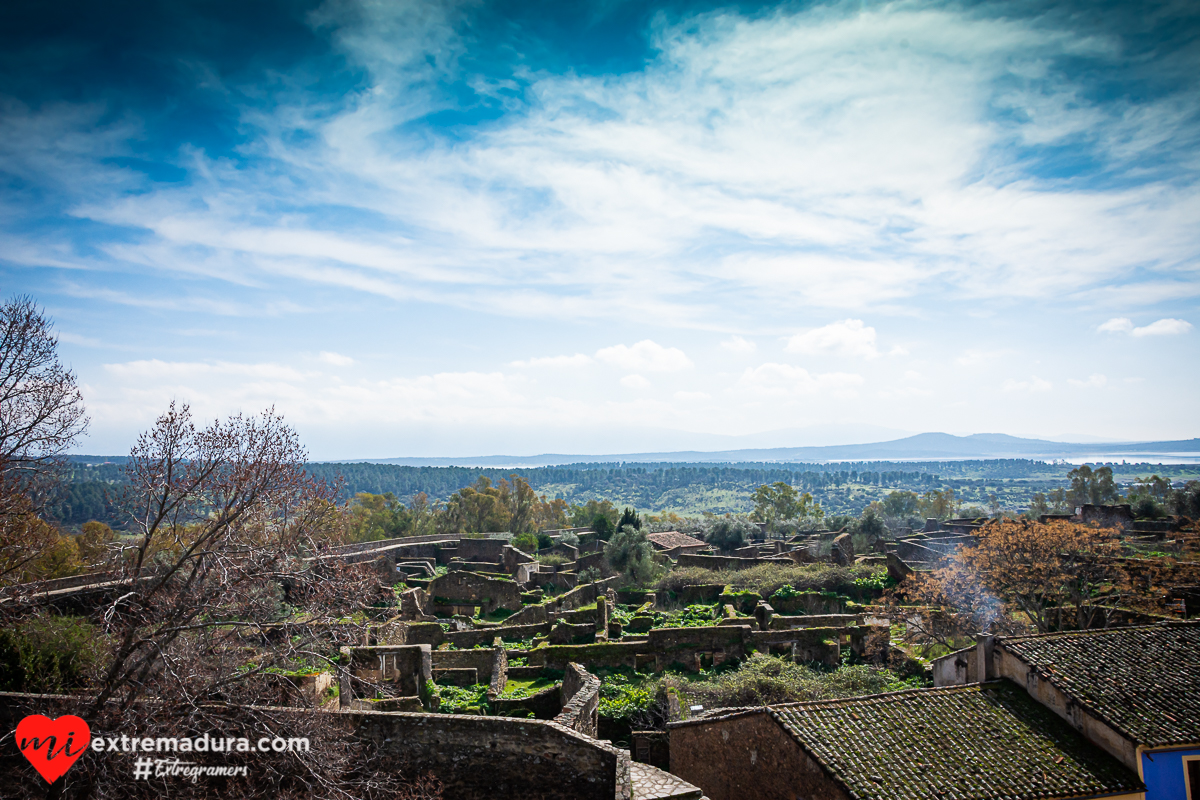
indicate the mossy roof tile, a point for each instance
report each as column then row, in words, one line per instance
column 1143, row 681
column 978, row 742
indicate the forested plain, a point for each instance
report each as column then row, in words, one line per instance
column 688, row 489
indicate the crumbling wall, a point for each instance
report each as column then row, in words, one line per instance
column 581, row 701
column 756, row 759
column 718, row 562
column 482, row 550
column 407, row 668
column 490, row 665
column 466, row 588
column 498, row 758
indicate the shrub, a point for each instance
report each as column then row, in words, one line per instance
column 603, row 527
column 763, row 680
column 630, row 553
column 552, row 559
column 730, row 533
column 1147, row 507
column 525, row 542
column 766, row 579
column 629, row 519
column 49, row 654
column 589, row 575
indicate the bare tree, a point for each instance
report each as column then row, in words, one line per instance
column 41, row 416
column 220, row 592
column 227, row 523
column 41, row 407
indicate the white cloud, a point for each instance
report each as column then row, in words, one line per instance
column 335, row 359
column 555, row 362
column 74, row 338
column 846, row 338
column 738, row 344
column 884, row 175
column 1034, row 384
column 635, row 382
column 1094, row 381
column 689, row 397
column 1117, row 325
column 645, row 355
column 787, row 380
column 1163, row 327
column 153, row 369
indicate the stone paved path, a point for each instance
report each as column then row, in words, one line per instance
column 651, row 783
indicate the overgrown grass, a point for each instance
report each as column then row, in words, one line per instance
column 767, row 578
column 525, row 688
column 764, row 679
column 462, row 699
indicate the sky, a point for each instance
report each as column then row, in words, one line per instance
column 466, row 228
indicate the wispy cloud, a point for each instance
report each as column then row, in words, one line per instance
column 1094, row 381
column 666, row 165
column 846, row 338
column 786, row 380
column 1163, row 327
column 335, row 359
column 738, row 344
column 645, row 355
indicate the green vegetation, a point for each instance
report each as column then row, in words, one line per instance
column 585, row 491
column 515, row 689
column 461, row 699
column 47, row 654
column 766, row 579
column 764, row 679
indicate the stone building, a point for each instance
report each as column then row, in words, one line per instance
column 1134, row 692
column 988, row 741
column 673, row 543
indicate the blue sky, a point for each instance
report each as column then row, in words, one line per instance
column 470, row 228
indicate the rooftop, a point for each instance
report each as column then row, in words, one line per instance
column 669, row 540
column 960, row 743
column 1143, row 681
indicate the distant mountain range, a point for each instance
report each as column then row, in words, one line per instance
column 921, row 447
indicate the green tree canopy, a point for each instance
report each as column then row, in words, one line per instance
column 630, row 553
column 730, row 533
column 780, row 503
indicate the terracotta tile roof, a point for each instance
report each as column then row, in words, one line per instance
column 669, row 540
column 1143, row 681
column 973, row 742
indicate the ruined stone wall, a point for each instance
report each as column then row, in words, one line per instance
column 1116, row 516
column 511, row 633
column 364, row 546
column 407, row 668
column 466, row 588
column 821, row 645
column 581, row 701
column 609, row 654
column 482, row 550
column 747, row 755
column 717, row 562
column 490, row 665
column 499, row 758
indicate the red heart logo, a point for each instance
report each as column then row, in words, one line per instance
column 53, row 745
